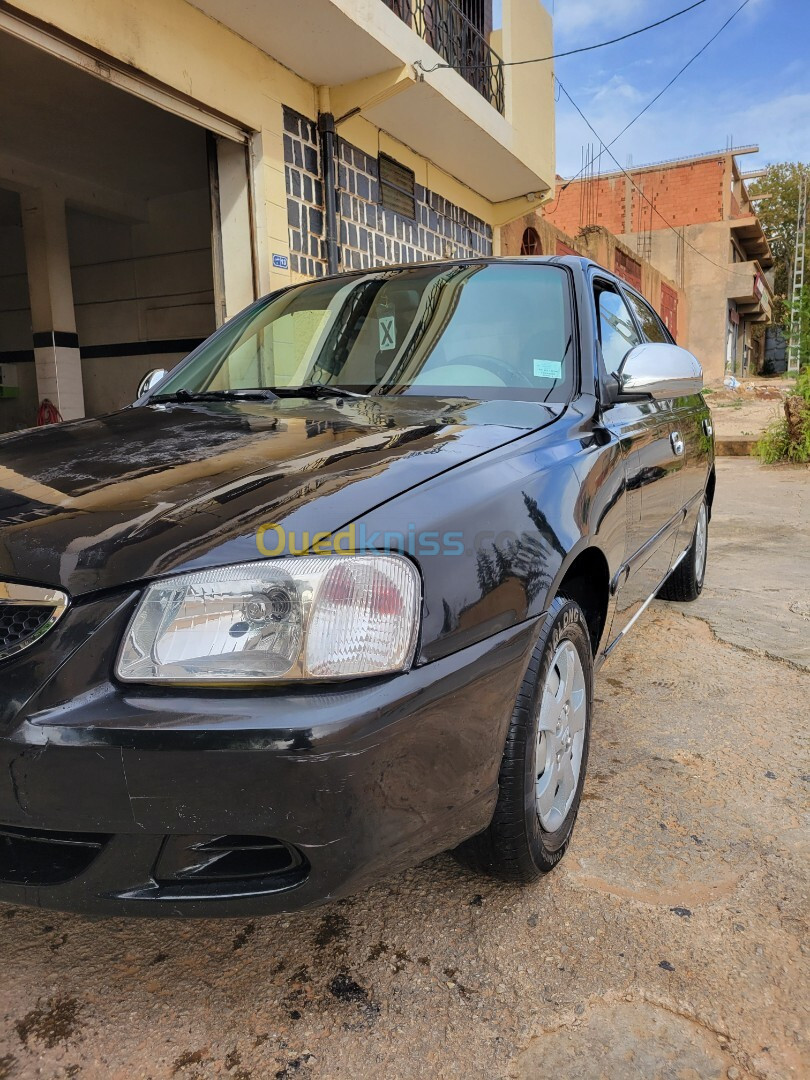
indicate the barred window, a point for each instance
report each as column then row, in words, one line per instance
column 397, row 187
column 530, row 243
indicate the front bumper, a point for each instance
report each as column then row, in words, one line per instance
column 112, row 801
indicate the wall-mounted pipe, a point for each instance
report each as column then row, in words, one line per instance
column 328, row 141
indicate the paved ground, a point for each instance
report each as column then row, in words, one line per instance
column 670, row 942
column 757, row 592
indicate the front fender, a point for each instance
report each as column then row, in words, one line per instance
column 494, row 538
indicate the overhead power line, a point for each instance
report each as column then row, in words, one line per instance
column 570, row 52
column 641, row 192
column 650, row 103
column 677, row 75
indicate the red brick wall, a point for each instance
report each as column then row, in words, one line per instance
column 628, row 268
column 687, row 194
column 669, row 309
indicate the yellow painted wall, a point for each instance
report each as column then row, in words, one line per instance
column 527, row 34
column 191, row 53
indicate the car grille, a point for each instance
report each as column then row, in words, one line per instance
column 26, row 613
column 17, row 622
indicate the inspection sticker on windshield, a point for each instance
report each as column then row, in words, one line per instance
column 548, row 369
column 388, row 332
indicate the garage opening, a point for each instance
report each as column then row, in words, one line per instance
column 122, row 226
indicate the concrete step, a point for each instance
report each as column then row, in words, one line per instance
column 735, row 445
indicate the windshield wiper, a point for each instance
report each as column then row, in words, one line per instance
column 315, row 390
column 181, row 395
column 268, row 393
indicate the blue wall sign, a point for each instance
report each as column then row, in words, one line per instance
column 281, row 262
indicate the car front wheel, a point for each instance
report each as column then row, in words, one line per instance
column 546, row 755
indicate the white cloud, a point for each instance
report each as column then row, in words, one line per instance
column 616, row 88
column 780, row 125
column 575, row 16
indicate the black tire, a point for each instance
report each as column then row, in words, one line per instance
column 515, row 846
column 685, row 583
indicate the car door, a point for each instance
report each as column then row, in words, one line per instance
column 693, row 420
column 644, row 431
column 691, row 425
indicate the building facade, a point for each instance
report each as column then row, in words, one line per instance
column 164, row 162
column 693, row 220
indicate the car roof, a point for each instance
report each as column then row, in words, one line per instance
column 578, row 262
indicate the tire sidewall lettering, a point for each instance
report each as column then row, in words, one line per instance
column 568, row 617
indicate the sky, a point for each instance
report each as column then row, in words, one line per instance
column 752, row 85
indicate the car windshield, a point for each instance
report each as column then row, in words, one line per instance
column 489, row 330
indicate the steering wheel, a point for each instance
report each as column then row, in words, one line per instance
column 508, row 376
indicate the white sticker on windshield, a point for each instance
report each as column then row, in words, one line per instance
column 548, row 369
column 388, row 332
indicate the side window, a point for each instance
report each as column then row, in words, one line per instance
column 617, row 331
column 648, row 320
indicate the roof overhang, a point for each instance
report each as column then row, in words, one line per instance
column 749, row 235
column 464, row 136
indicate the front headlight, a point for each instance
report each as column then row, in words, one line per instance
column 314, row 617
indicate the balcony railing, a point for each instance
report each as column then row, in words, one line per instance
column 445, row 27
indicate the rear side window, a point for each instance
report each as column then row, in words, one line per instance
column 617, row 331
column 648, row 321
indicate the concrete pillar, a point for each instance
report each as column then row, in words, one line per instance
column 234, row 285
column 56, row 343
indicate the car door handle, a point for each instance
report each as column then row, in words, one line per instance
column 677, row 443
column 707, row 428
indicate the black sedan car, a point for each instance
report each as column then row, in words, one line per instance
column 329, row 598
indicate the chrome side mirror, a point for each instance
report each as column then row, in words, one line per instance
column 150, row 380
column 659, row 370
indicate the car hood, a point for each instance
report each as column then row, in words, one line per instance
column 96, row 504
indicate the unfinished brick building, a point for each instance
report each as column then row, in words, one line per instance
column 692, row 218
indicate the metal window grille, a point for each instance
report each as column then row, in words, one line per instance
column 462, row 42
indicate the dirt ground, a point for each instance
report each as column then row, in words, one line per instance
column 670, row 942
column 748, row 409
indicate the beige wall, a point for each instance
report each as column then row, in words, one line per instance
column 15, row 330
column 15, row 312
column 131, row 283
column 144, row 282
column 706, row 283
column 140, row 283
